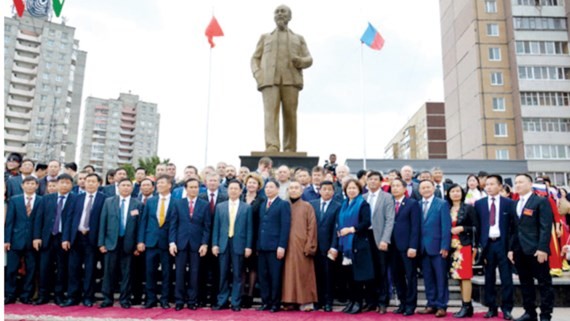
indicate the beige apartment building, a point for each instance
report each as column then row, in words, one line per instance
column 506, row 70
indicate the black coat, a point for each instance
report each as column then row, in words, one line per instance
column 467, row 217
column 532, row 231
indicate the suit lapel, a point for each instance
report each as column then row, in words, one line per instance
column 432, row 207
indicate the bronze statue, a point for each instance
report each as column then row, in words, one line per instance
column 277, row 64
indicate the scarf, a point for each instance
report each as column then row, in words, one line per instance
column 348, row 217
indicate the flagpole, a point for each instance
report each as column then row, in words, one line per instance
column 363, row 105
column 208, row 107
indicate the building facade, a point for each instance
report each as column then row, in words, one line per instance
column 43, row 84
column 507, row 82
column 422, row 137
column 118, row 132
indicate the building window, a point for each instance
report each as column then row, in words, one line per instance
column 61, row 56
column 43, row 98
column 552, row 125
column 548, row 99
column 539, row 23
column 58, row 78
column 501, row 130
column 502, row 154
column 52, row 32
column 7, row 39
column 492, row 30
column 498, row 104
column 50, row 43
column 543, row 73
column 539, row 2
column 45, row 76
column 542, row 47
column 547, row 151
column 491, row 6
column 497, row 78
column 495, row 54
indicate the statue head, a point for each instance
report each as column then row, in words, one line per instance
column 282, row 16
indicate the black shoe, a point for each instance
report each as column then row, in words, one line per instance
column 544, row 318
column 328, row 308
column 178, row 307
column 69, row 303
column 9, row 300
column 369, row 307
column 126, row 305
column 218, row 307
column 399, row 310
column 466, row 310
column 236, row 309
column 41, row 301
column 356, row 308
column 348, row 307
column 507, row 315
column 149, row 305
column 526, row 317
column 407, row 313
column 106, row 304
column 264, row 307
column 26, row 301
column 164, row 305
column 88, row 303
column 275, row 309
column 382, row 309
column 193, row 306
column 246, row 302
column 492, row 313
column 136, row 301
column 59, row 300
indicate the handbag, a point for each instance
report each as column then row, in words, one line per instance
column 478, row 255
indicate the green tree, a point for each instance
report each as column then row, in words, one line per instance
column 130, row 171
column 149, row 164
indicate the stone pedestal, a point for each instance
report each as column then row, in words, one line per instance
column 296, row 159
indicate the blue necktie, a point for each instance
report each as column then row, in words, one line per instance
column 57, row 222
column 122, row 217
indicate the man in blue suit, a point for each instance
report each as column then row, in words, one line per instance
column 140, row 174
column 311, row 193
column 404, row 248
column 153, row 240
column 80, row 187
column 80, row 233
column 14, row 183
column 435, row 243
column 117, row 241
column 326, row 212
column 274, row 226
column 113, row 189
column 496, row 214
column 231, row 241
column 47, row 234
column 18, row 240
column 188, row 234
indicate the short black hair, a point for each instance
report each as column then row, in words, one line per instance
column 94, row 175
column 126, row 179
column 328, row 183
column 317, row 169
column 16, row 157
column 120, row 169
column 161, row 177
column 89, row 166
column 375, row 173
column 426, row 180
column 140, row 168
column 274, row 181
column 448, row 196
column 71, row 165
column 483, row 174
column 65, row 176
column 498, row 177
column 151, row 181
column 235, row 181
column 302, row 169
column 525, row 175
column 395, row 171
column 41, row 167
column 404, row 184
column 361, row 173
column 27, row 160
column 30, row 178
column 191, row 179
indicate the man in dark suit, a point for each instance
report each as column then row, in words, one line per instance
column 188, row 235
column 435, row 243
column 231, row 241
column 274, row 226
column 47, row 234
column 209, row 267
column 147, row 191
column 117, row 241
column 441, row 187
column 80, row 233
column 412, row 189
column 140, row 174
column 80, row 187
column 326, row 212
column 311, row 193
column 14, row 183
column 404, row 247
column 530, row 247
column 113, row 189
column 153, row 241
column 54, row 167
column 18, row 241
column 495, row 214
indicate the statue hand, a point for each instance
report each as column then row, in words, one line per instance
column 297, row 62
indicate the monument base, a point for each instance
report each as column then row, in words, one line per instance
column 291, row 159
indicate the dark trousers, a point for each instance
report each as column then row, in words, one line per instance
column 117, row 261
column 209, row 278
column 236, row 261
column 405, row 278
column 496, row 256
column 269, row 275
column 355, row 288
column 529, row 269
column 435, row 270
column 324, row 273
column 82, row 264
column 154, row 257
column 12, row 267
column 138, row 276
column 53, row 268
column 377, row 290
column 187, row 293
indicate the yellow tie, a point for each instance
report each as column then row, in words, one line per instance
column 161, row 213
column 232, row 219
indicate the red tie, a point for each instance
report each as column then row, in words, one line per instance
column 268, row 204
column 191, row 208
column 212, row 204
column 397, row 207
column 492, row 212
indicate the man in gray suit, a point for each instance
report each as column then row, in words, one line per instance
column 383, row 212
column 117, row 241
column 277, row 65
column 231, row 241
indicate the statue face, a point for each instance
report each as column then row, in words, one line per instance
column 282, row 16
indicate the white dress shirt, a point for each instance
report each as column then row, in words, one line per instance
column 32, row 201
column 521, row 205
column 430, row 201
column 166, row 204
column 126, row 213
column 82, row 222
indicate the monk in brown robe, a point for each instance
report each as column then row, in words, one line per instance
column 299, row 281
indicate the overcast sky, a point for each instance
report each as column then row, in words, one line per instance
column 157, row 49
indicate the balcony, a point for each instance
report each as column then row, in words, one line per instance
column 12, row 125
column 15, row 149
column 14, row 114
column 19, row 46
column 20, row 92
column 29, row 60
column 17, row 138
column 128, row 126
column 24, row 70
column 127, row 132
column 18, row 80
column 96, row 135
column 127, row 118
column 129, row 111
column 126, row 139
column 20, row 103
column 125, row 154
column 31, row 38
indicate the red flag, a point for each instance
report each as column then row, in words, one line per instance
column 213, row 30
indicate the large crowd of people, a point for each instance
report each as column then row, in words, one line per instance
column 297, row 238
